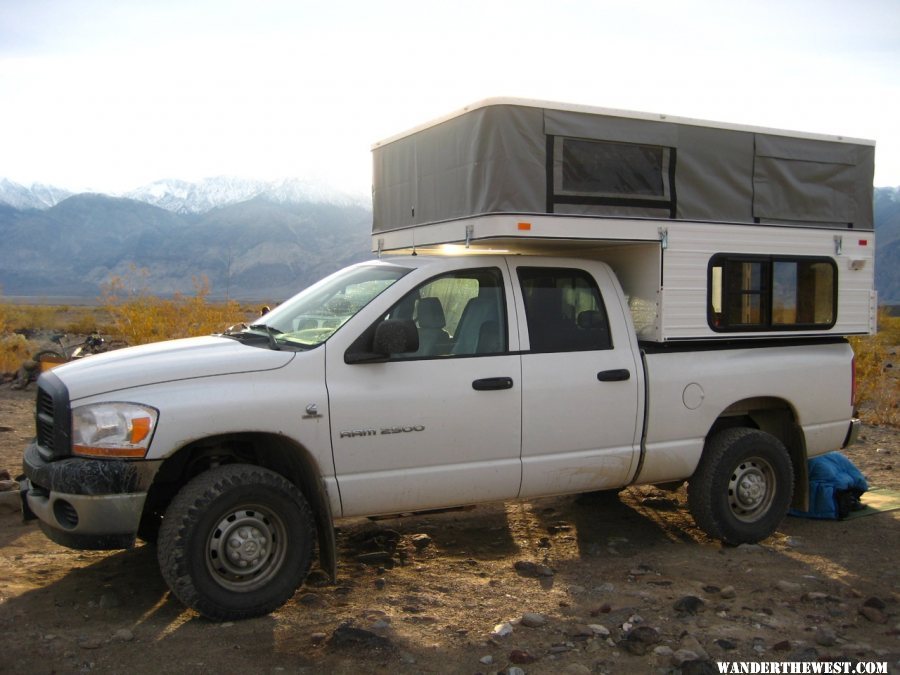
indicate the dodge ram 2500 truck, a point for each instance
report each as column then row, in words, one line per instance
column 576, row 300
column 410, row 384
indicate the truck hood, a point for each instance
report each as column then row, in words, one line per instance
column 166, row 362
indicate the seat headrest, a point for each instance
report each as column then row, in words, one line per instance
column 430, row 313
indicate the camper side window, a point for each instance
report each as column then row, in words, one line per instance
column 611, row 169
column 756, row 293
column 595, row 173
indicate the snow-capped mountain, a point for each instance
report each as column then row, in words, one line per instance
column 199, row 197
column 38, row 196
column 180, row 196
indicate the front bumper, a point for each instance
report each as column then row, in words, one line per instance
column 86, row 503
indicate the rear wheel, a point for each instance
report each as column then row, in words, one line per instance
column 743, row 486
column 236, row 542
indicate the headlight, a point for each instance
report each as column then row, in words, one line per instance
column 113, row 429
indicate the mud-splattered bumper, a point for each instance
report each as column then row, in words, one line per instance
column 86, row 503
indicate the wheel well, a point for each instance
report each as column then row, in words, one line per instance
column 272, row 451
column 778, row 418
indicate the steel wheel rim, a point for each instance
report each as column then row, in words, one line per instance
column 246, row 548
column 751, row 489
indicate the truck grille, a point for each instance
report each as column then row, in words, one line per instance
column 44, row 419
column 52, row 418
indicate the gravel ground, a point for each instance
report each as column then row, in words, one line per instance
column 570, row 584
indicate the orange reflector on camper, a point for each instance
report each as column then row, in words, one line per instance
column 525, row 226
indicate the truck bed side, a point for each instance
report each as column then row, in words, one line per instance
column 788, row 390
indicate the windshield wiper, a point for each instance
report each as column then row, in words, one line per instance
column 271, row 332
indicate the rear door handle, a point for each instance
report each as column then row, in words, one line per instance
column 619, row 375
column 492, row 384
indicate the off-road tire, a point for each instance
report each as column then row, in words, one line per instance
column 743, row 486
column 236, row 542
column 52, row 353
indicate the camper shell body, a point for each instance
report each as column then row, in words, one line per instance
column 772, row 228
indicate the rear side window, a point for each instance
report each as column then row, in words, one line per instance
column 764, row 293
column 564, row 310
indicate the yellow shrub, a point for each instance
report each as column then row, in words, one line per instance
column 877, row 383
column 139, row 317
column 14, row 350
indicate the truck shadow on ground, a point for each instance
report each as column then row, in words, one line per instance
column 637, row 553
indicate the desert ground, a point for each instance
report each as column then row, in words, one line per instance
column 582, row 584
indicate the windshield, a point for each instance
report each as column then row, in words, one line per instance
column 313, row 315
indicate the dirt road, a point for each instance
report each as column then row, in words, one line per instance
column 547, row 586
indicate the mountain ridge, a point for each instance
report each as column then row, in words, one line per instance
column 249, row 250
column 182, row 196
column 266, row 246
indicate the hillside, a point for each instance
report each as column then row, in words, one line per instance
column 252, row 250
column 263, row 248
column 887, row 253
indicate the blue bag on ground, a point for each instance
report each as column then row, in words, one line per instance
column 835, row 486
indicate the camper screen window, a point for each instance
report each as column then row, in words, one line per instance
column 755, row 293
column 607, row 169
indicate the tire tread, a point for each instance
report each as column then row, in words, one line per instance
column 188, row 507
column 703, row 486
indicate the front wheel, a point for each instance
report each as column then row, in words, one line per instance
column 743, row 486
column 236, row 542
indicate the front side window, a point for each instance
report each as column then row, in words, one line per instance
column 564, row 310
column 771, row 293
column 462, row 313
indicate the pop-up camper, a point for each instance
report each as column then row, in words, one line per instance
column 714, row 230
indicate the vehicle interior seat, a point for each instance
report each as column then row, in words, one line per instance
column 471, row 336
column 430, row 320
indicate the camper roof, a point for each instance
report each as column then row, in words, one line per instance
column 521, row 156
column 614, row 112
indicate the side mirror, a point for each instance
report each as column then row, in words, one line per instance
column 396, row 337
column 391, row 337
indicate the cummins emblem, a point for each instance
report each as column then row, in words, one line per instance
column 386, row 430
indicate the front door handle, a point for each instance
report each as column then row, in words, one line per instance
column 492, row 384
column 619, row 375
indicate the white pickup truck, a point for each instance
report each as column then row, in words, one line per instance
column 415, row 383
column 579, row 300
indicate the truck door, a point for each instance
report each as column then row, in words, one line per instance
column 441, row 425
column 580, row 380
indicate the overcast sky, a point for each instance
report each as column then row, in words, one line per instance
column 112, row 94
